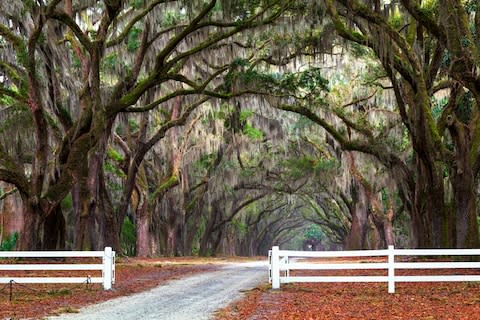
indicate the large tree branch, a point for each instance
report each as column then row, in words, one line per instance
column 369, row 42
column 172, row 44
column 12, row 173
column 117, row 40
column 237, row 209
column 15, row 40
column 414, row 8
column 158, row 74
column 13, row 94
column 64, row 18
column 379, row 20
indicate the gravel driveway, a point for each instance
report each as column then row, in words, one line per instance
column 194, row 297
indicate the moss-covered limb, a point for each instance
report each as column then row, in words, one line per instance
column 12, row 173
column 144, row 147
column 69, row 170
column 15, row 73
column 8, row 193
column 180, row 121
column 132, row 96
column 315, row 118
column 401, row 103
column 422, row 16
column 79, row 128
column 164, row 186
column 342, row 29
column 319, row 148
column 129, row 81
column 64, row 18
column 113, row 10
column 363, row 39
column 237, row 210
column 355, row 125
column 434, row 67
column 140, row 56
column 16, row 178
column 460, row 44
column 197, row 89
column 172, row 44
column 15, row 40
column 165, row 98
column 376, row 18
column 119, row 39
column 429, row 126
column 197, row 86
column 13, row 94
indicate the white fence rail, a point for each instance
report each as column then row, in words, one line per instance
column 280, row 266
column 107, row 266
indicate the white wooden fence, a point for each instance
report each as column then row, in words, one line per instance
column 280, row 266
column 107, row 266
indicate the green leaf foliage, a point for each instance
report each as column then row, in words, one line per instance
column 307, row 165
column 133, row 40
column 114, row 154
column 252, row 133
column 314, row 232
column 110, row 167
column 464, row 107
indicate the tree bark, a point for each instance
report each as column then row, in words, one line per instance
column 54, row 229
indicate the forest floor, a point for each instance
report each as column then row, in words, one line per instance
column 307, row 301
column 36, row 301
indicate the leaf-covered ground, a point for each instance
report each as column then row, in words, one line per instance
column 132, row 275
column 304, row 301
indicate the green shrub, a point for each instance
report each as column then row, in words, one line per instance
column 9, row 243
column 128, row 237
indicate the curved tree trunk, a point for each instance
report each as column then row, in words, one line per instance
column 356, row 238
column 29, row 236
column 463, row 183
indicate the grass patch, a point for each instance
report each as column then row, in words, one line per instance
column 67, row 309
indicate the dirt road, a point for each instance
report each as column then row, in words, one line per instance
column 194, row 297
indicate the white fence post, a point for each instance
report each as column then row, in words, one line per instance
column 275, row 268
column 269, row 266
column 287, row 271
column 391, row 269
column 107, row 268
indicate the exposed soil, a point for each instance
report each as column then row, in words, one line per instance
column 132, row 275
column 304, row 301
